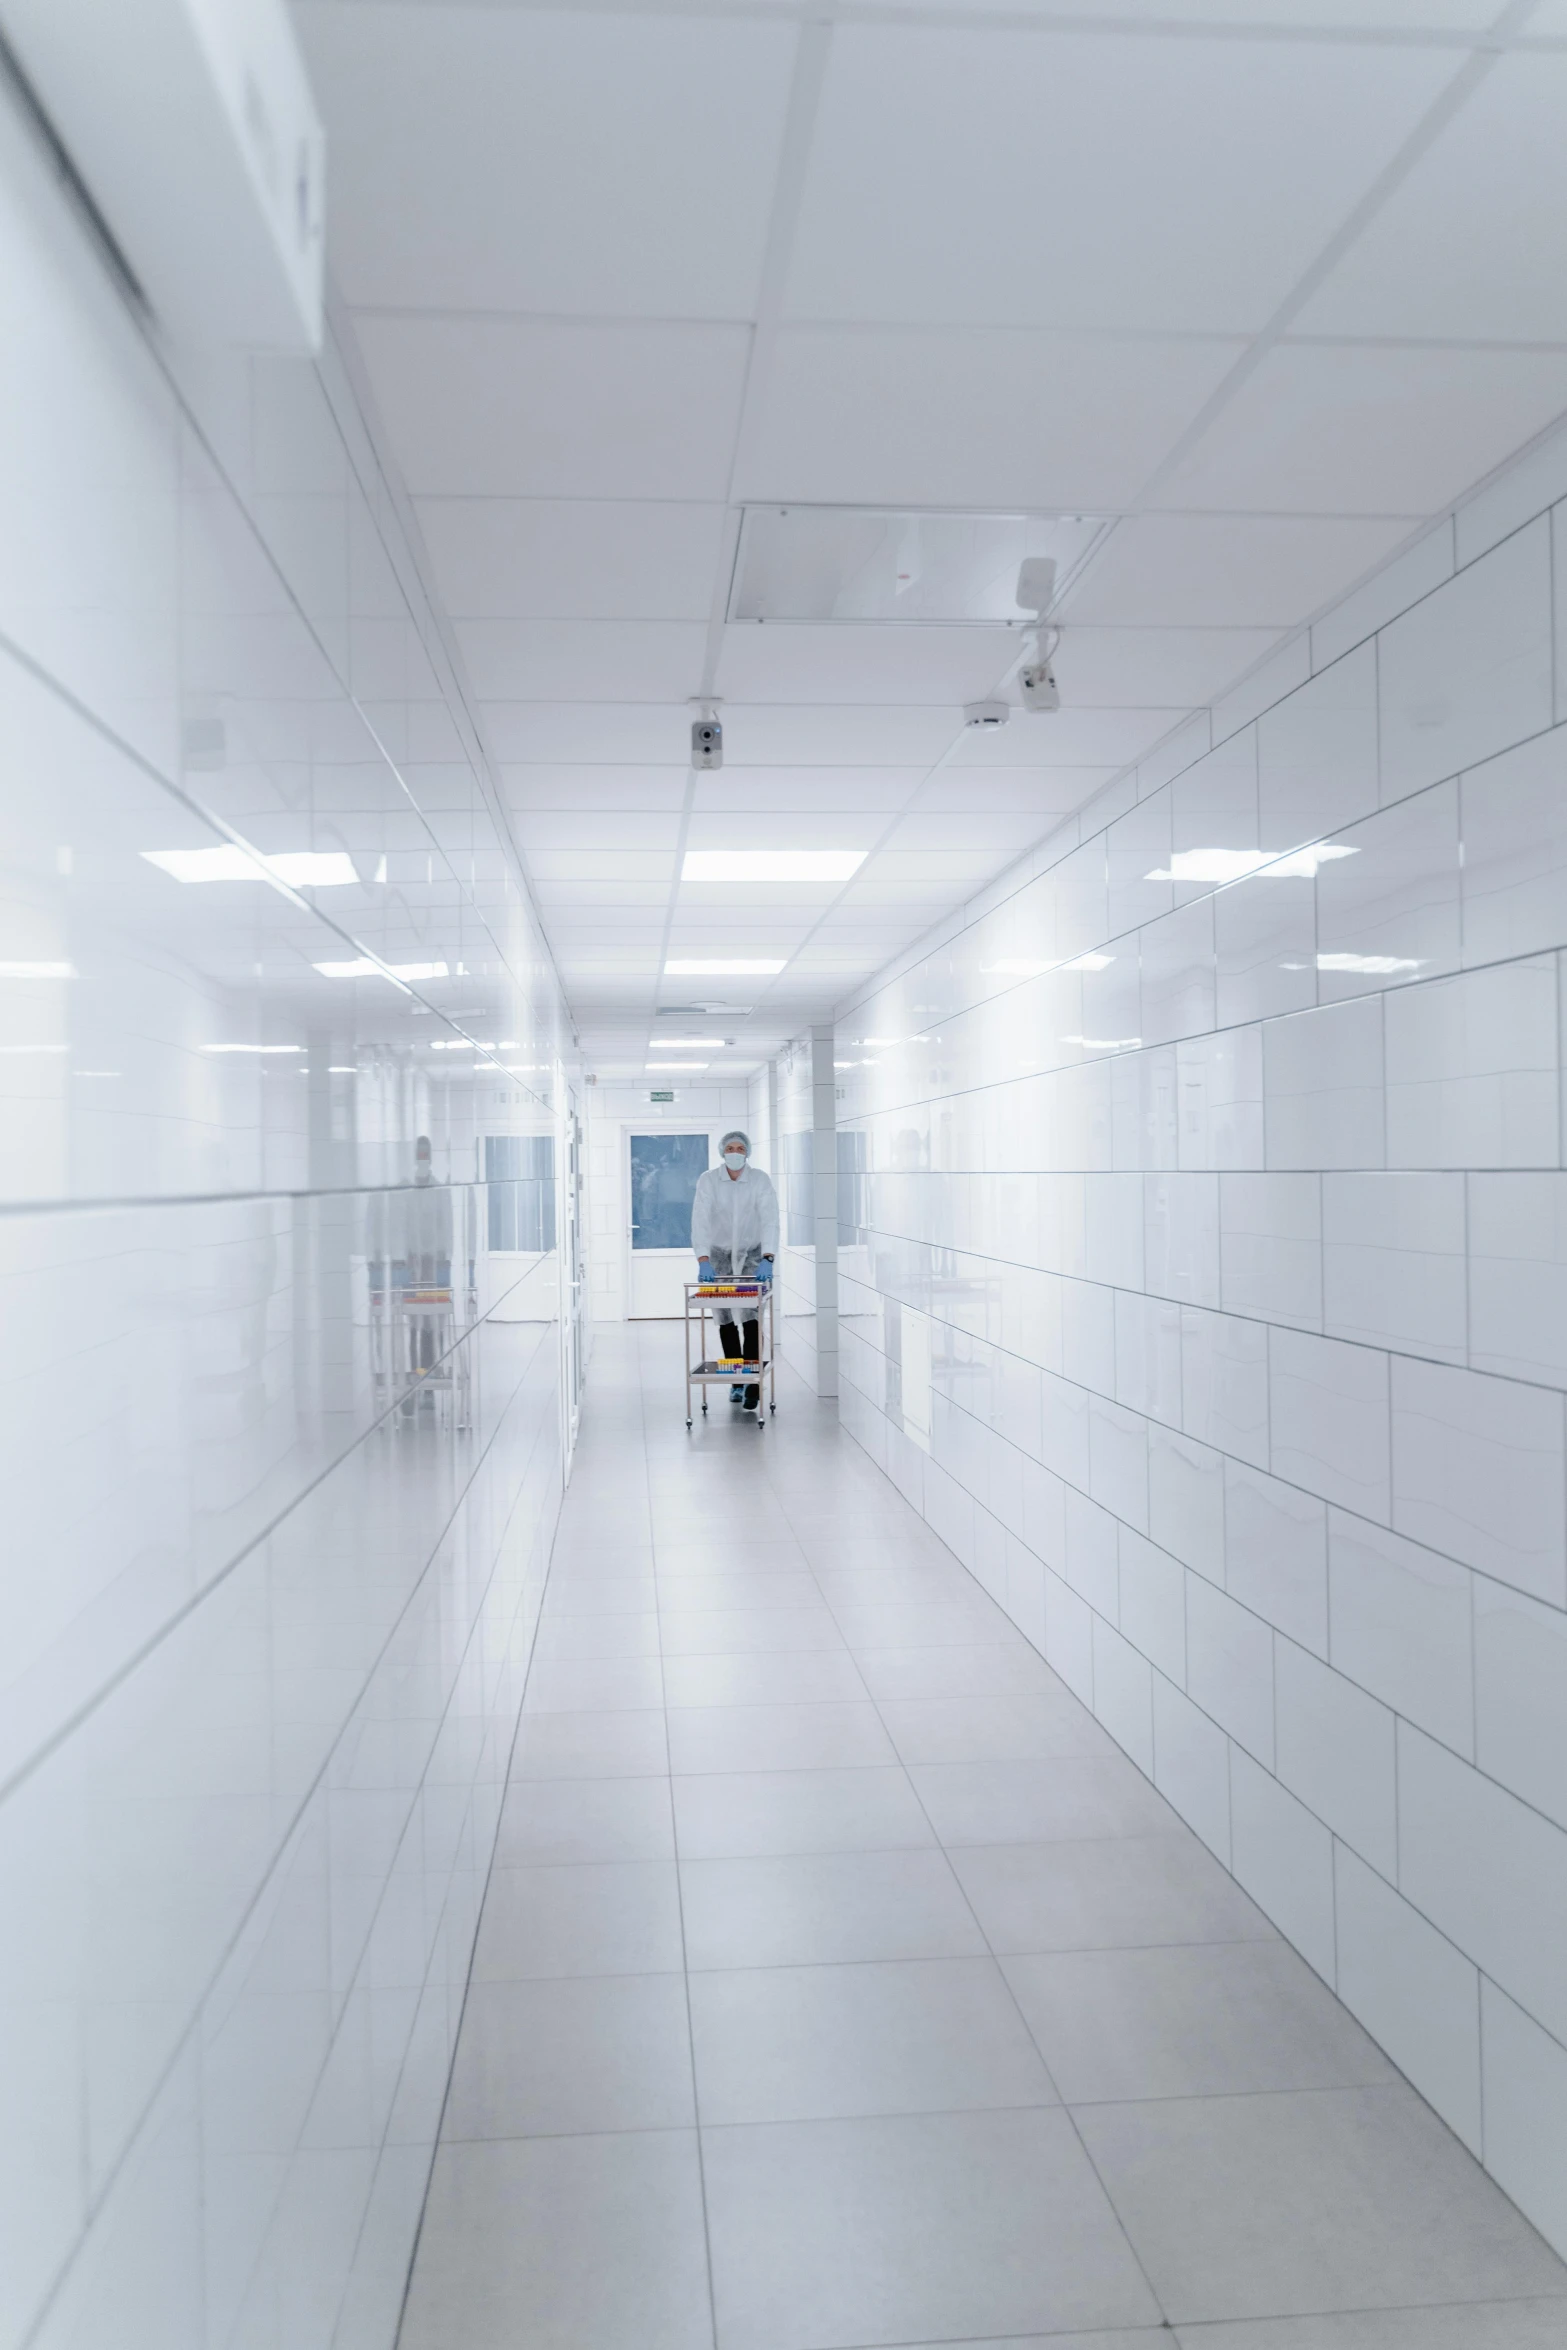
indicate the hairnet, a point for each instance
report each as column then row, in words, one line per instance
column 736, row 1134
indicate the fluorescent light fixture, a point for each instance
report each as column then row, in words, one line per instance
column 362, row 968
column 342, row 1069
column 686, row 1067
column 1370, row 966
column 15, row 970
column 724, row 967
column 1220, row 865
column 1104, row 1044
column 675, row 1044
column 300, row 868
column 252, row 1048
column 772, row 864
column 1089, row 963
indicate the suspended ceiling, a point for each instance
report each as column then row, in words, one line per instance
column 1259, row 287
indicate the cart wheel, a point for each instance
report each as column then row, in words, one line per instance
column 688, row 1423
column 704, row 1411
column 772, row 1407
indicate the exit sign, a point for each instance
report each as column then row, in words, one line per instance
column 661, row 1097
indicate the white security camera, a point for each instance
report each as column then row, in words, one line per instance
column 1037, row 678
column 1036, row 587
column 707, row 741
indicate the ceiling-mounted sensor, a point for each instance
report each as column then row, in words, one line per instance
column 707, row 738
column 987, row 716
column 1036, row 583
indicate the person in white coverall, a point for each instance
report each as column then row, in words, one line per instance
column 734, row 1231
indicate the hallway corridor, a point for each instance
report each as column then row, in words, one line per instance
column 840, row 1983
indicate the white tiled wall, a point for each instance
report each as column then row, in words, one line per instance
column 1208, row 1290
column 261, row 1636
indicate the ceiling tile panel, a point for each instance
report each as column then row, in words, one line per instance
column 762, row 735
column 1070, row 738
column 1332, row 428
column 532, row 159
column 1221, row 571
column 1095, row 666
column 859, row 663
column 526, row 409
column 598, row 734
column 1043, row 792
column 806, row 791
column 579, row 793
column 941, row 155
column 1473, row 244
column 745, row 824
column 961, row 418
column 572, row 559
column 582, row 660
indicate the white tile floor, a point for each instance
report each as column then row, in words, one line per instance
column 840, row 1984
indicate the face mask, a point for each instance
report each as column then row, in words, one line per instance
column 734, row 1161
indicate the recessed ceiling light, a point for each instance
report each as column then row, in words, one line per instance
column 724, row 967
column 772, row 864
column 300, row 868
column 665, row 1066
column 14, row 970
column 362, row 968
column 252, row 1048
column 675, row 1044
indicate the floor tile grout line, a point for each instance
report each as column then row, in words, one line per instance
column 685, row 1953
column 995, row 1959
column 478, row 1923
column 899, row 2113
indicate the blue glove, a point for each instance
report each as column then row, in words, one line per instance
column 764, row 1271
column 704, row 1271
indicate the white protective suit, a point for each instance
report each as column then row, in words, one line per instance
column 734, row 1218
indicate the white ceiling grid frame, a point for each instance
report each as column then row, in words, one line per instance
column 1476, row 65
column 1152, row 677
column 810, row 64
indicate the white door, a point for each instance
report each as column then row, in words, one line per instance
column 661, row 1177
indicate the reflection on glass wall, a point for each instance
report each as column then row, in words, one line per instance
column 664, row 1173
column 281, row 1083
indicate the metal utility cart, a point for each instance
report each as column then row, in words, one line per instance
column 737, row 1301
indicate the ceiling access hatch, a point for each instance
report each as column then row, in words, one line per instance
column 860, row 565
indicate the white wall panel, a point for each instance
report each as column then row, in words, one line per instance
column 267, row 1599
column 1298, row 1516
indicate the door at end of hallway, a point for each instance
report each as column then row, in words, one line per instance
column 661, row 1179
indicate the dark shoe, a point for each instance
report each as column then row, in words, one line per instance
column 736, row 1394
column 753, row 1396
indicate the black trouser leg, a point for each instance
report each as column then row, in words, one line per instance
column 729, row 1338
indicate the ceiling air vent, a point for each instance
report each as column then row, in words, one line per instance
column 824, row 564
